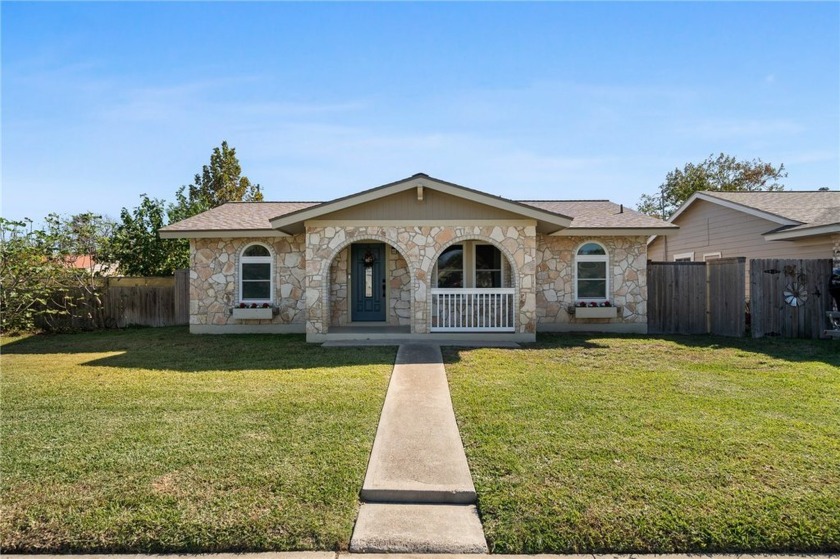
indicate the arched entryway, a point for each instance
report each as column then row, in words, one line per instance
column 474, row 287
column 369, row 286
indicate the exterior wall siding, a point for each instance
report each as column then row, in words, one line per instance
column 434, row 206
column 555, row 279
column 709, row 228
column 706, row 227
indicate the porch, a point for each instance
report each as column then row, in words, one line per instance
column 384, row 283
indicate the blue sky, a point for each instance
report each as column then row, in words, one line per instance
column 102, row 102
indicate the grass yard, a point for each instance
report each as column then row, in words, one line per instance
column 153, row 440
column 630, row 444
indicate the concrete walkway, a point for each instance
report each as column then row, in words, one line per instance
column 418, row 495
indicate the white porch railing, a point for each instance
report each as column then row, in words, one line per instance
column 473, row 310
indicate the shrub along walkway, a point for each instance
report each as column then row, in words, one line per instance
column 418, row 495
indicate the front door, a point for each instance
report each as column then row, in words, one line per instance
column 368, row 282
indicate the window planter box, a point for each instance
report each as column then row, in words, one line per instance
column 596, row 312
column 253, row 314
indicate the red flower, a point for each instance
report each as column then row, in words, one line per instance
column 243, row 306
column 593, row 304
column 266, row 305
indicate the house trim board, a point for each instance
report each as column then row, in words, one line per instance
column 804, row 232
column 221, row 234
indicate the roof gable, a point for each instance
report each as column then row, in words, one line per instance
column 785, row 207
column 547, row 221
column 796, row 213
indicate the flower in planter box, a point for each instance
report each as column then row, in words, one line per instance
column 254, row 306
column 581, row 304
column 243, row 306
column 606, row 304
column 593, row 304
column 266, row 306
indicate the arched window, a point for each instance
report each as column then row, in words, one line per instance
column 470, row 264
column 256, row 275
column 591, row 273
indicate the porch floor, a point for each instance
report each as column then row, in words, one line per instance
column 397, row 335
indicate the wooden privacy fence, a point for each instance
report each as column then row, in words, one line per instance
column 697, row 297
column 789, row 298
column 146, row 301
column 126, row 301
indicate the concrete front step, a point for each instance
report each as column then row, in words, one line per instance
column 417, row 454
column 400, row 528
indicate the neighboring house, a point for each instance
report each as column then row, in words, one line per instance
column 418, row 258
column 784, row 224
column 87, row 262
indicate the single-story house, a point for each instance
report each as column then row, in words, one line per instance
column 418, row 258
column 781, row 224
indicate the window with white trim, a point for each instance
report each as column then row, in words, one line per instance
column 684, row 257
column 256, row 283
column 711, row 256
column 591, row 277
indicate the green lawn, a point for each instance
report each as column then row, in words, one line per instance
column 629, row 444
column 153, row 440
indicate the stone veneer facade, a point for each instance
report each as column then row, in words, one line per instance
column 214, row 285
column 627, row 265
column 419, row 247
column 398, row 286
column 311, row 277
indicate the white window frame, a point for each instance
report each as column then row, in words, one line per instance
column 684, row 257
column 256, row 260
column 592, row 258
column 711, row 256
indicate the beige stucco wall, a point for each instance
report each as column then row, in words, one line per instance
column 214, row 285
column 555, row 277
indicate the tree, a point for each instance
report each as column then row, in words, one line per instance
column 136, row 244
column 137, row 247
column 40, row 281
column 27, row 276
column 219, row 182
column 722, row 173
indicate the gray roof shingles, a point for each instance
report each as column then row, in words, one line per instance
column 809, row 208
column 255, row 216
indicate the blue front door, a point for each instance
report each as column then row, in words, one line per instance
column 368, row 282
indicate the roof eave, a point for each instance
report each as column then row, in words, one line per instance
column 702, row 195
column 614, row 231
column 219, row 233
column 787, row 235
